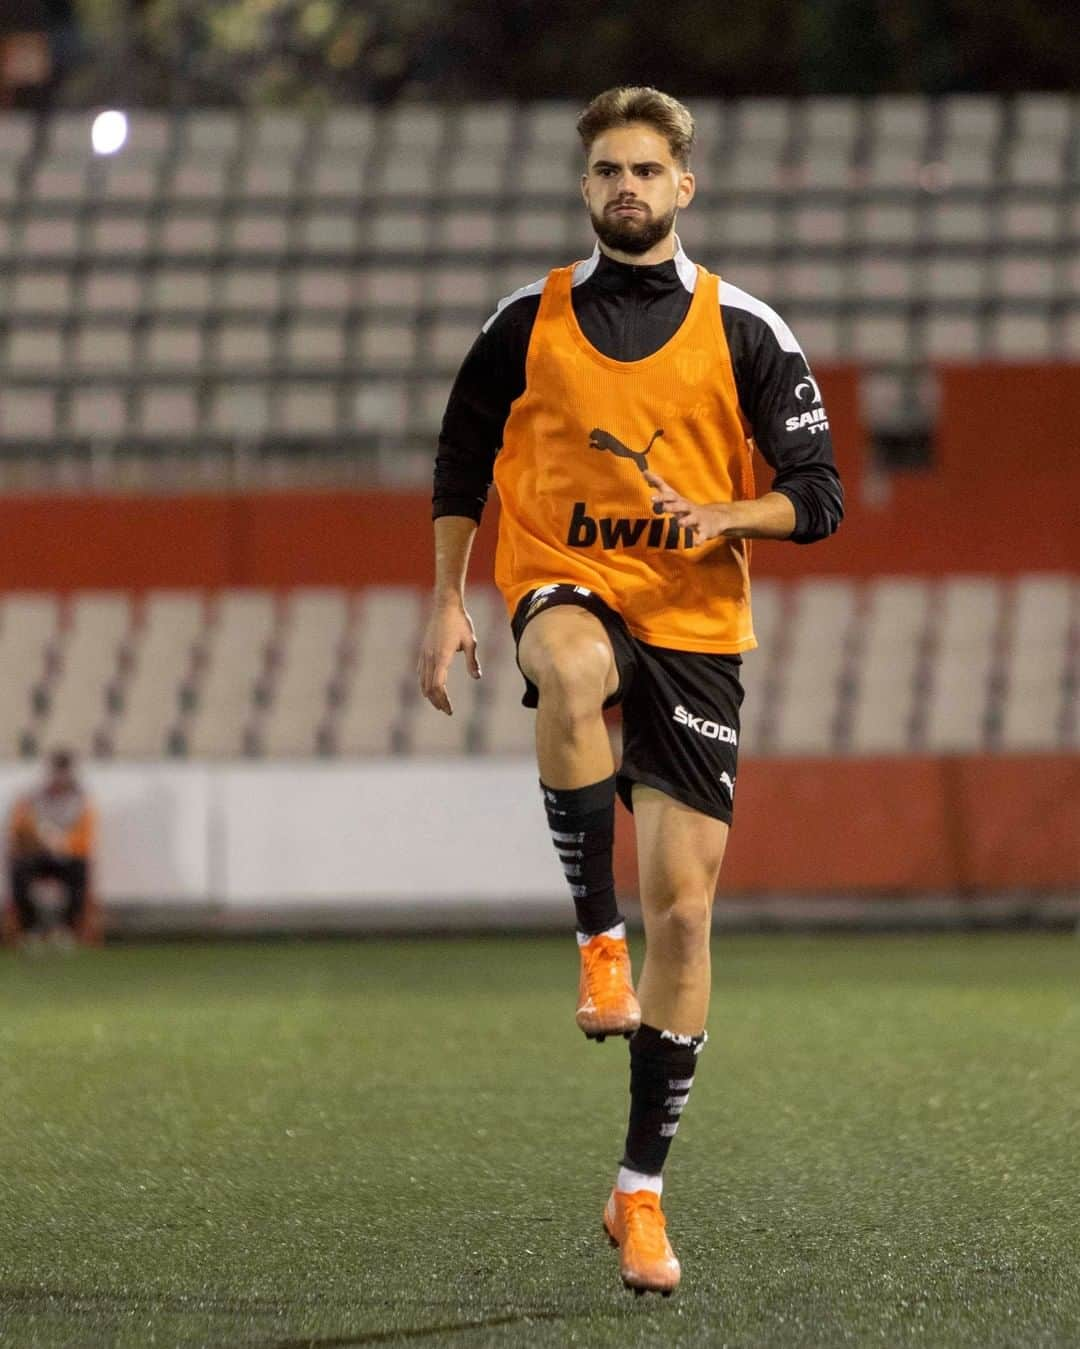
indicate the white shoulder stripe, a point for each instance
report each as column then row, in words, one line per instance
column 583, row 270
column 533, row 288
column 734, row 298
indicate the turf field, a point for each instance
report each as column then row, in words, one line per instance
column 384, row 1142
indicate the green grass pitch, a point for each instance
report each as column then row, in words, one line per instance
column 395, row 1142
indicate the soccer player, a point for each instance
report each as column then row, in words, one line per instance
column 620, row 405
column 51, row 837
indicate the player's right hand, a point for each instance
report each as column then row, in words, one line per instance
column 449, row 630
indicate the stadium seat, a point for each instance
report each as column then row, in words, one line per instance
column 957, row 709
column 173, row 346
column 326, row 231
column 209, row 133
column 899, row 120
column 28, row 628
column 88, row 664
column 467, row 230
column 111, row 291
column 243, row 345
column 99, row 413
column 130, row 182
column 1034, row 164
column 41, row 237
column 167, row 412
column 376, row 679
column 307, row 410
column 241, row 411
column 40, row 292
column 119, row 236
column 27, row 415
column 379, row 405
column 308, row 660
column 103, row 347
column 959, row 222
column 35, row 351
column 279, row 134
column 971, row 119
column 1022, row 220
column 314, row 343
column 237, row 647
column 193, row 235
column 809, row 681
column 389, row 345
column 1034, row 714
column 198, row 179
column 181, row 290
column 58, row 182
column 1019, row 336
column 406, row 173
column 414, row 126
column 250, row 290
column 163, row 651
column 267, row 181
column 950, row 337
column 885, row 680
column 474, row 171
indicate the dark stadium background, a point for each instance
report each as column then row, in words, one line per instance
column 320, row 1085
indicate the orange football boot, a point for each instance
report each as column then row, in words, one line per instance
column 635, row 1223
column 607, row 1004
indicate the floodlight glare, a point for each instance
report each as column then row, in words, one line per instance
column 109, row 132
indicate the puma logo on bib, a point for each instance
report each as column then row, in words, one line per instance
column 599, row 439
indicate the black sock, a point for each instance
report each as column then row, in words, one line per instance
column 582, row 822
column 661, row 1072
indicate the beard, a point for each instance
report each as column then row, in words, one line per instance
column 632, row 234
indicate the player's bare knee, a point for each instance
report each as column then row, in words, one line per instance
column 572, row 672
column 683, row 927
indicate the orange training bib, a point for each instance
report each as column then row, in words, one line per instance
column 575, row 504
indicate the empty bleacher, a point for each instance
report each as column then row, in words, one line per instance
column 891, row 665
column 266, row 283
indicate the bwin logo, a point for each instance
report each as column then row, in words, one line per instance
column 711, row 730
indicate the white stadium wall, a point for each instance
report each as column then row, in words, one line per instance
column 254, row 837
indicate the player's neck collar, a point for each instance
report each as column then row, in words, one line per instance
column 679, row 266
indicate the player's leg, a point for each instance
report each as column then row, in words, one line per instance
column 24, row 871
column 680, row 851
column 73, row 874
column 566, row 654
column 565, row 651
column 680, row 752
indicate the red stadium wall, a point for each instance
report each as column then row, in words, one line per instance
column 891, row 826
column 1001, row 499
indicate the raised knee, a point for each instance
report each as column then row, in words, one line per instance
column 573, row 674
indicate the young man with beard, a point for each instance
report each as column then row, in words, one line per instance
column 617, row 403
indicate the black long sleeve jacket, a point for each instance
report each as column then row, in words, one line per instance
column 627, row 313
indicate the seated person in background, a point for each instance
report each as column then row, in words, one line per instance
column 51, row 836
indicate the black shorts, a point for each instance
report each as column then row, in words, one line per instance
column 680, row 709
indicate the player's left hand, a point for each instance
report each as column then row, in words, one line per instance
column 706, row 521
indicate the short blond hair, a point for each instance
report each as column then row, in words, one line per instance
column 640, row 103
